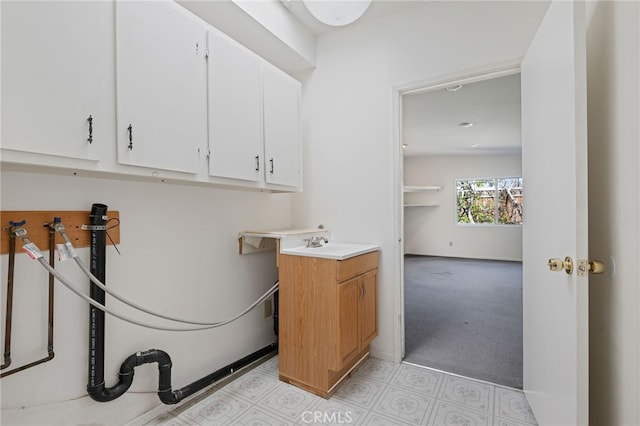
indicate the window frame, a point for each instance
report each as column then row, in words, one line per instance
column 496, row 202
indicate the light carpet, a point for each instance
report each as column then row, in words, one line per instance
column 464, row 316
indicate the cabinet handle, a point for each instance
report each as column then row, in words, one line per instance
column 130, row 129
column 90, row 120
column 271, row 161
column 361, row 291
column 257, row 163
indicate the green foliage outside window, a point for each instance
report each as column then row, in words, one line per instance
column 489, row 201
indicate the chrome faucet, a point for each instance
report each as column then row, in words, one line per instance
column 316, row 241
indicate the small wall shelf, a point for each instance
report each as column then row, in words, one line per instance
column 422, row 188
column 255, row 241
column 420, row 201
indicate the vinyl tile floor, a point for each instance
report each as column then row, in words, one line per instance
column 378, row 393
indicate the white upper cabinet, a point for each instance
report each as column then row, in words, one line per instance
column 50, row 78
column 161, row 86
column 127, row 86
column 254, row 117
column 281, row 100
column 235, row 110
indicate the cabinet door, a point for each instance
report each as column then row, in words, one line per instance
column 348, row 336
column 281, row 127
column 235, row 110
column 50, row 77
column 161, row 85
column 368, row 308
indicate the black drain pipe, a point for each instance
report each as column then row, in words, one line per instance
column 165, row 392
column 95, row 387
column 167, row 396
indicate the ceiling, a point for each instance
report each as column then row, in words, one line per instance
column 431, row 120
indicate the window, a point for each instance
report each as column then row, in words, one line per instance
column 490, row 201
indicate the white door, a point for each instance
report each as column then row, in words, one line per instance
column 554, row 167
column 161, row 86
column 51, row 78
column 235, row 110
column 281, row 103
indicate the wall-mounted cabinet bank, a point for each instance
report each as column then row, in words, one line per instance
column 144, row 89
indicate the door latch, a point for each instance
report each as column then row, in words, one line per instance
column 595, row 267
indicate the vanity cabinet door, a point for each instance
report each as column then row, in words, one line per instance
column 357, row 322
column 368, row 309
column 348, row 329
column 161, row 86
column 50, row 78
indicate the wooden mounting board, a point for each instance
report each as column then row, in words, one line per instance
column 38, row 231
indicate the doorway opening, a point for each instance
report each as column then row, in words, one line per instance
column 463, row 205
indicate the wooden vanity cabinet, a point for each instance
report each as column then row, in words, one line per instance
column 328, row 317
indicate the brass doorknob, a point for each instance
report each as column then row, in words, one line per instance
column 557, row 265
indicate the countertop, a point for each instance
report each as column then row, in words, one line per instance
column 331, row 250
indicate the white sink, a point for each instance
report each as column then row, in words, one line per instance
column 331, row 250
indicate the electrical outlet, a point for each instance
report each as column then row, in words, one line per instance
column 267, row 308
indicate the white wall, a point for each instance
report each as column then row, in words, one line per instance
column 428, row 230
column 613, row 57
column 348, row 119
column 179, row 256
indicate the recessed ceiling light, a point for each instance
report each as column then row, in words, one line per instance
column 475, row 145
column 466, row 124
column 453, row 88
column 404, row 145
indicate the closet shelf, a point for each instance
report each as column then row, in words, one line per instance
column 421, row 188
column 420, row 200
column 421, row 205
